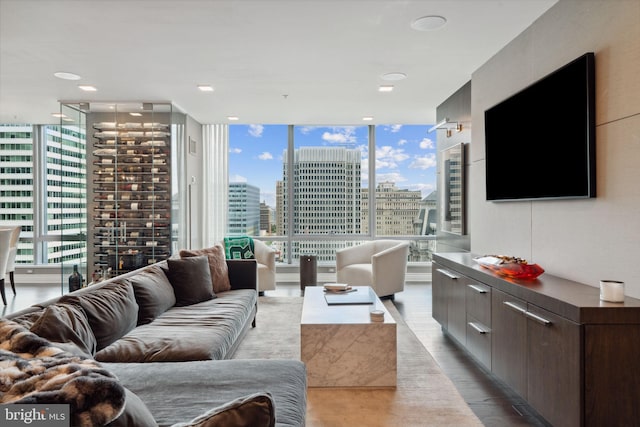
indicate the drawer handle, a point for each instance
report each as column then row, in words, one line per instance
column 515, row 307
column 478, row 289
column 538, row 319
column 448, row 274
column 477, row 328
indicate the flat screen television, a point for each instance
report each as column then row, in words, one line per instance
column 540, row 142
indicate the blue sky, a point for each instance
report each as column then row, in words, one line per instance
column 405, row 154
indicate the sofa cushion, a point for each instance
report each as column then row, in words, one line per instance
column 112, row 310
column 196, row 387
column 28, row 317
column 213, row 329
column 247, row 411
column 135, row 414
column 154, row 293
column 190, row 279
column 217, row 266
column 66, row 323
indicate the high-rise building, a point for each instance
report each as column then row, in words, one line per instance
column 244, row 209
column 44, row 166
column 427, row 219
column 396, row 210
column 266, row 219
column 326, row 196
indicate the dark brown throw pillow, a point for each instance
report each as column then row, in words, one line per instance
column 217, row 265
column 66, row 323
column 154, row 293
column 191, row 279
column 135, row 414
column 111, row 309
column 253, row 410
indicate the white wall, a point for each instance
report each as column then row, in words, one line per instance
column 582, row 240
column 193, row 176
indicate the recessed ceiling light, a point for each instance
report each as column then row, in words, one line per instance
column 58, row 115
column 66, row 76
column 395, row 76
column 67, row 119
column 87, row 88
column 429, row 23
column 367, row 118
column 136, row 114
column 385, row 88
column 233, row 118
column 205, row 88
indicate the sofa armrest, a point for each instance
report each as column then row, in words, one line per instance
column 243, row 273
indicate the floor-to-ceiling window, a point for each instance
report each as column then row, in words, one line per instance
column 315, row 191
column 43, row 190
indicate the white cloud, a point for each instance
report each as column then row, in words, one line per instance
column 340, row 135
column 237, row 178
column 423, row 162
column 390, row 177
column 395, row 128
column 256, row 130
column 402, row 142
column 426, row 144
column 235, row 150
column 265, row 156
column 389, row 157
column 306, row 129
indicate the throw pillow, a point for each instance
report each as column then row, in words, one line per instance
column 111, row 309
column 217, row 266
column 191, row 279
column 65, row 323
column 239, row 247
column 135, row 414
column 248, row 411
column 154, row 293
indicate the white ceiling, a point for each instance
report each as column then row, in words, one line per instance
column 270, row 61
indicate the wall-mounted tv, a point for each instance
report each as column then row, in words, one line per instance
column 540, row 142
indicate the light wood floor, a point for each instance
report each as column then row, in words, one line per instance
column 491, row 402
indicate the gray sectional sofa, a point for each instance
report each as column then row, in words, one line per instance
column 168, row 338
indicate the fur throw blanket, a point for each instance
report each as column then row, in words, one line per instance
column 34, row 371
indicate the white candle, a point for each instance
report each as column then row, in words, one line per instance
column 612, row 290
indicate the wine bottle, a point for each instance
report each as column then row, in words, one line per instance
column 75, row 279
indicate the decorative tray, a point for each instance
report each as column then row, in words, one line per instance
column 513, row 267
column 337, row 287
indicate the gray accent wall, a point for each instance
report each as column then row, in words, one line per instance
column 588, row 239
column 457, row 108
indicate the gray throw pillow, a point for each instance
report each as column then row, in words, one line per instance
column 66, row 323
column 191, row 279
column 217, row 265
column 254, row 410
column 111, row 309
column 154, row 293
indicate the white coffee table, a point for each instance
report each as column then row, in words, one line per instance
column 342, row 347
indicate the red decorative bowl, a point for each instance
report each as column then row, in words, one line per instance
column 512, row 267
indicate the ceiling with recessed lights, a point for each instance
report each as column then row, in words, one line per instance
column 266, row 61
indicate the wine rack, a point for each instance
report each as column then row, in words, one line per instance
column 131, row 190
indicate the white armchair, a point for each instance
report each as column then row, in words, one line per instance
column 266, row 259
column 381, row 264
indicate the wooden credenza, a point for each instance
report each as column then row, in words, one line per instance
column 572, row 357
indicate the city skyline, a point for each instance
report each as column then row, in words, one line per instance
column 405, row 154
